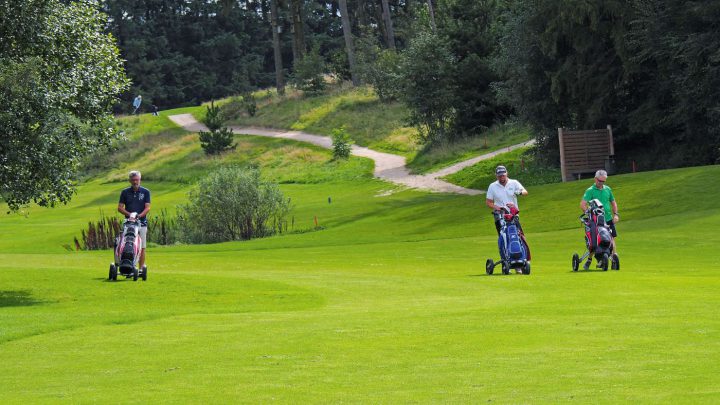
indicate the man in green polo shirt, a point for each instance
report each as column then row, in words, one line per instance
column 603, row 193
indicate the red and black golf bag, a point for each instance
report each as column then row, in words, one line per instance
column 598, row 237
column 127, row 248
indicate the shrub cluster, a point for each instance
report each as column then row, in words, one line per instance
column 342, row 144
column 229, row 204
column 249, row 103
column 232, row 204
column 309, row 72
column 99, row 235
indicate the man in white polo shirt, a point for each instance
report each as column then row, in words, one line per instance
column 503, row 192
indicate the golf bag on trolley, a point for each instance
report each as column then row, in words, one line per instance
column 127, row 252
column 514, row 251
column 598, row 239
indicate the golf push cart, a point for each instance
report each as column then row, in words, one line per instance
column 127, row 252
column 599, row 241
column 514, row 251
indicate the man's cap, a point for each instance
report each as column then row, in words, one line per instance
column 500, row 170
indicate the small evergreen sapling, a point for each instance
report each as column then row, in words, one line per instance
column 219, row 139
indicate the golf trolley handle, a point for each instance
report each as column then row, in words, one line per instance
column 133, row 221
column 505, row 209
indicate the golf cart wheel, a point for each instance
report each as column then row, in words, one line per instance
column 113, row 272
column 575, row 262
column 605, row 261
column 144, row 273
column 505, row 268
column 526, row 268
column 135, row 274
column 615, row 262
column 489, row 266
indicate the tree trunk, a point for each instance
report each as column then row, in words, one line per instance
column 432, row 15
column 279, row 81
column 362, row 14
column 378, row 14
column 298, row 29
column 347, row 33
column 226, row 7
column 388, row 25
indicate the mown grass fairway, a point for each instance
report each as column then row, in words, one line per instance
column 389, row 303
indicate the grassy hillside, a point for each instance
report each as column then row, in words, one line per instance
column 520, row 163
column 438, row 156
column 168, row 153
column 379, row 126
column 388, row 303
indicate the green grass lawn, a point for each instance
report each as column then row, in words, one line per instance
column 388, row 303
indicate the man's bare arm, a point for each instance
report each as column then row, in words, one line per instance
column 121, row 209
column 145, row 211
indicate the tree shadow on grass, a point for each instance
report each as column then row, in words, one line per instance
column 18, row 298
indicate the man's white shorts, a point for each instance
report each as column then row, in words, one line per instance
column 143, row 236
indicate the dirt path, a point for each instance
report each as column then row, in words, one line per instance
column 388, row 167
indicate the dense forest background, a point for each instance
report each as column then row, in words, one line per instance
column 649, row 68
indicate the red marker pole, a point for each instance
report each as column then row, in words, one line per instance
column 316, row 225
column 634, row 166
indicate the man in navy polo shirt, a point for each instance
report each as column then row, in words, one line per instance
column 136, row 199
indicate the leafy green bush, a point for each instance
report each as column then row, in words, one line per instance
column 249, row 103
column 232, row 204
column 339, row 66
column 380, row 68
column 308, row 74
column 386, row 76
column 342, row 144
column 428, row 89
column 219, row 139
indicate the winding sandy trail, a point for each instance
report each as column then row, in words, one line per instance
column 467, row 163
column 388, row 167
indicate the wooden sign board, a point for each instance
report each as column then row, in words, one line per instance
column 584, row 152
